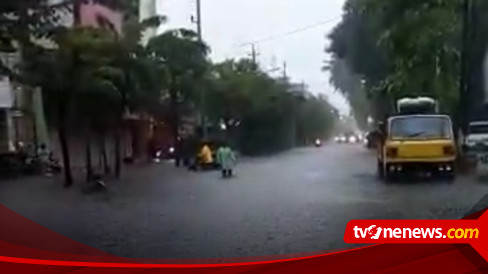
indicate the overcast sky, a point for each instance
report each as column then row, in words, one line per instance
column 227, row 24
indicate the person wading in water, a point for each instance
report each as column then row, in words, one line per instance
column 226, row 159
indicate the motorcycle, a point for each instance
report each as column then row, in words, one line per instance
column 164, row 154
column 318, row 143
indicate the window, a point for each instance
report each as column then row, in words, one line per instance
column 478, row 129
column 420, row 128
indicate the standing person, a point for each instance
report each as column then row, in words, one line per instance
column 205, row 156
column 227, row 160
column 178, row 151
column 185, row 151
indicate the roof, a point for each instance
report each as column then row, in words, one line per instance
column 479, row 123
column 418, row 100
column 419, row 116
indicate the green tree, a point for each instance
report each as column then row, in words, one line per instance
column 353, row 87
column 70, row 75
column 185, row 59
column 265, row 115
column 402, row 48
column 138, row 76
column 96, row 70
column 82, row 68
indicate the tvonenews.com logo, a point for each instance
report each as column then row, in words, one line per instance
column 374, row 232
column 466, row 231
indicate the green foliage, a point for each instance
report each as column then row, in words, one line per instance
column 352, row 87
column 316, row 119
column 402, row 48
column 186, row 60
column 91, row 77
column 271, row 116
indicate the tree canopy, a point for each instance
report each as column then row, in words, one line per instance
column 267, row 114
column 401, row 48
column 92, row 78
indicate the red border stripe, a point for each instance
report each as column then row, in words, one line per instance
column 136, row 265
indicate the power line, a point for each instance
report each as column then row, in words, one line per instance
column 274, row 37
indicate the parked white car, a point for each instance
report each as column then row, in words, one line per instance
column 477, row 135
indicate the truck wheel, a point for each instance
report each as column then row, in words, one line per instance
column 451, row 175
column 380, row 170
column 446, row 175
column 389, row 176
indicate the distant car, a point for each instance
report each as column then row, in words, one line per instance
column 348, row 139
column 341, row 139
column 352, row 139
column 477, row 134
column 476, row 141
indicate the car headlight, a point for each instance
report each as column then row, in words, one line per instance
column 171, row 150
column 352, row 139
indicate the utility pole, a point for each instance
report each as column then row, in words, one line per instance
column 254, row 55
column 464, row 96
column 203, row 118
column 199, row 20
column 285, row 75
column 76, row 13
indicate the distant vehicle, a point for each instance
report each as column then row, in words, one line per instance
column 318, row 142
column 167, row 153
column 348, row 138
column 417, row 139
column 475, row 143
column 477, row 134
column 352, row 138
column 341, row 139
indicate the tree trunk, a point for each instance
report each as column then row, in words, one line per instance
column 63, row 140
column 89, row 167
column 117, row 155
column 175, row 123
column 103, row 154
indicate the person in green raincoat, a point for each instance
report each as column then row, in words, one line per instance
column 226, row 158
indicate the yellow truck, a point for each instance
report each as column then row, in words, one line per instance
column 417, row 139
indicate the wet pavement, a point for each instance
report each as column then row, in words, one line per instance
column 299, row 201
